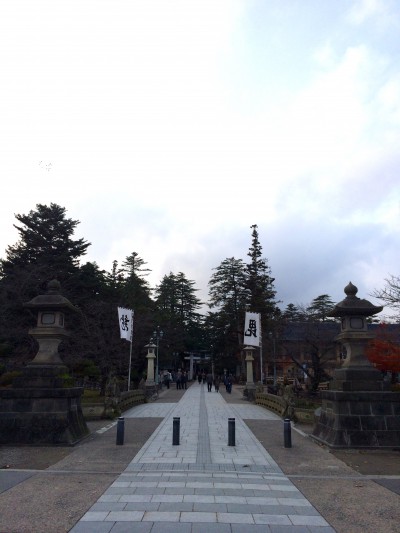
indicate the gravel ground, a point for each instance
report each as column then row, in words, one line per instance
column 69, row 480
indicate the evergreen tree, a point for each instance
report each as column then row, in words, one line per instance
column 135, row 289
column 176, row 297
column 320, row 307
column 177, row 311
column 133, row 266
column 261, row 289
column 259, row 280
column 229, row 294
column 45, row 250
column 293, row 313
column 46, row 246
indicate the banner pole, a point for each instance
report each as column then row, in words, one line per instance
column 261, row 357
column 130, row 364
column 130, row 356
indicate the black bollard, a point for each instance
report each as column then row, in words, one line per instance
column 176, row 430
column 231, row 432
column 120, row 430
column 287, row 433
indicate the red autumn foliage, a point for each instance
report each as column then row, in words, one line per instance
column 384, row 351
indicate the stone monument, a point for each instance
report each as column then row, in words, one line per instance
column 39, row 409
column 358, row 410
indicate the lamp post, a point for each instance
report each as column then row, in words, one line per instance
column 272, row 337
column 157, row 336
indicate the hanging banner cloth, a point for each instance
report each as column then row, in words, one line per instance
column 125, row 317
column 252, row 329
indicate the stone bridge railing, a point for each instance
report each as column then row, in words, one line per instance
column 113, row 406
column 274, row 403
column 285, row 407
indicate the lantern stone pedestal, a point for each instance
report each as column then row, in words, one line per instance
column 38, row 409
column 250, row 390
column 358, row 410
column 150, row 386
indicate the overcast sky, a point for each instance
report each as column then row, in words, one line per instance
column 169, row 127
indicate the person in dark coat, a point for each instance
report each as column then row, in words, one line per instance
column 179, row 380
column 184, row 380
column 209, row 379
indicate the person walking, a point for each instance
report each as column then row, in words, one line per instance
column 179, row 379
column 168, row 379
column 216, row 383
column 184, row 379
column 209, row 380
column 229, row 383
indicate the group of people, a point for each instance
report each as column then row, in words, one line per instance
column 208, row 378
column 180, row 378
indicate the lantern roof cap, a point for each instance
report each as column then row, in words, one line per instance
column 52, row 299
column 352, row 305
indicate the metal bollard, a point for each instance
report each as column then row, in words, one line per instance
column 176, row 430
column 287, row 433
column 231, row 432
column 120, row 430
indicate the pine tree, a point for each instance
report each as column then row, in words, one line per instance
column 177, row 310
column 46, row 246
column 320, row 307
column 229, row 294
column 259, row 280
column 45, row 250
column 293, row 313
column 135, row 290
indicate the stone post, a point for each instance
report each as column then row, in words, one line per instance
column 250, row 386
column 150, row 381
column 191, row 367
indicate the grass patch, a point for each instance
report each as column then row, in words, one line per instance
column 92, row 396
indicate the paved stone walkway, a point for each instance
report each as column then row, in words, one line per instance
column 202, row 485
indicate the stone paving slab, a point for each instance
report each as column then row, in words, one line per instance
column 202, row 484
column 10, row 479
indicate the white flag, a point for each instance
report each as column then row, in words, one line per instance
column 252, row 329
column 125, row 317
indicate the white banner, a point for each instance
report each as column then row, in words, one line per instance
column 252, row 329
column 125, row 318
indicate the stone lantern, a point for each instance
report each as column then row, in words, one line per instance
column 356, row 373
column 357, row 411
column 40, row 409
column 50, row 329
column 150, row 363
column 250, row 386
column 150, row 382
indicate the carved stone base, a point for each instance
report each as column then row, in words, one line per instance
column 354, row 419
column 249, row 393
column 38, row 411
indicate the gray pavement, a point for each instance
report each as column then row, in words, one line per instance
column 202, row 484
